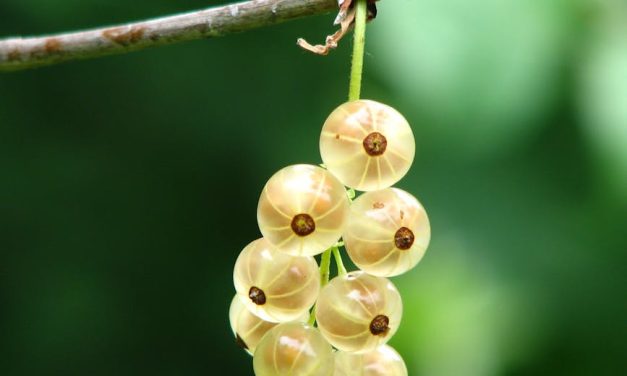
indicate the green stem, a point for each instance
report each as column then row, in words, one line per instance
column 341, row 270
column 357, row 67
column 325, row 264
column 354, row 91
column 312, row 316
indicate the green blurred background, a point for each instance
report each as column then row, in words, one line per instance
column 129, row 184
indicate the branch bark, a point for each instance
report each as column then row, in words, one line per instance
column 22, row 53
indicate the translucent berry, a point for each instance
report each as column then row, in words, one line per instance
column 248, row 328
column 293, row 349
column 302, row 210
column 387, row 232
column 367, row 145
column 273, row 285
column 383, row 361
column 358, row 312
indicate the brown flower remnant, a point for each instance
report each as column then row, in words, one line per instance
column 345, row 18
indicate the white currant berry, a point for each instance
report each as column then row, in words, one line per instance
column 358, row 312
column 383, row 361
column 302, row 210
column 387, row 232
column 367, row 145
column 248, row 328
column 293, row 349
column 273, row 285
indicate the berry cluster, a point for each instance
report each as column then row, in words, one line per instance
column 305, row 210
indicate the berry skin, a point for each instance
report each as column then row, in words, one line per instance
column 302, row 210
column 273, row 285
column 367, row 145
column 383, row 361
column 248, row 328
column 387, row 232
column 358, row 312
column 293, row 349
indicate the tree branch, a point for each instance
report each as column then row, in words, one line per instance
column 22, row 53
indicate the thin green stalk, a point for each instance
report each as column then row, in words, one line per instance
column 357, row 67
column 312, row 316
column 341, row 270
column 354, row 92
column 325, row 264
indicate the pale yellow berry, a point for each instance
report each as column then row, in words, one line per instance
column 387, row 232
column 383, row 361
column 293, row 349
column 302, row 210
column 248, row 328
column 273, row 285
column 367, row 145
column 358, row 312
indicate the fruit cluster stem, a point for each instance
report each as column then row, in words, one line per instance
column 359, row 42
column 354, row 92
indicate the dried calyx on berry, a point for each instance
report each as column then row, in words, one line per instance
column 302, row 224
column 404, row 238
column 257, row 295
column 379, row 325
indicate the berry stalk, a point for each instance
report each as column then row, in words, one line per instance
column 357, row 66
column 325, row 264
column 341, row 270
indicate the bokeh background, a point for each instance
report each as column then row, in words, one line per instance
column 129, row 184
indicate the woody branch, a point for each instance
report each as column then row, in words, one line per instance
column 22, row 53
